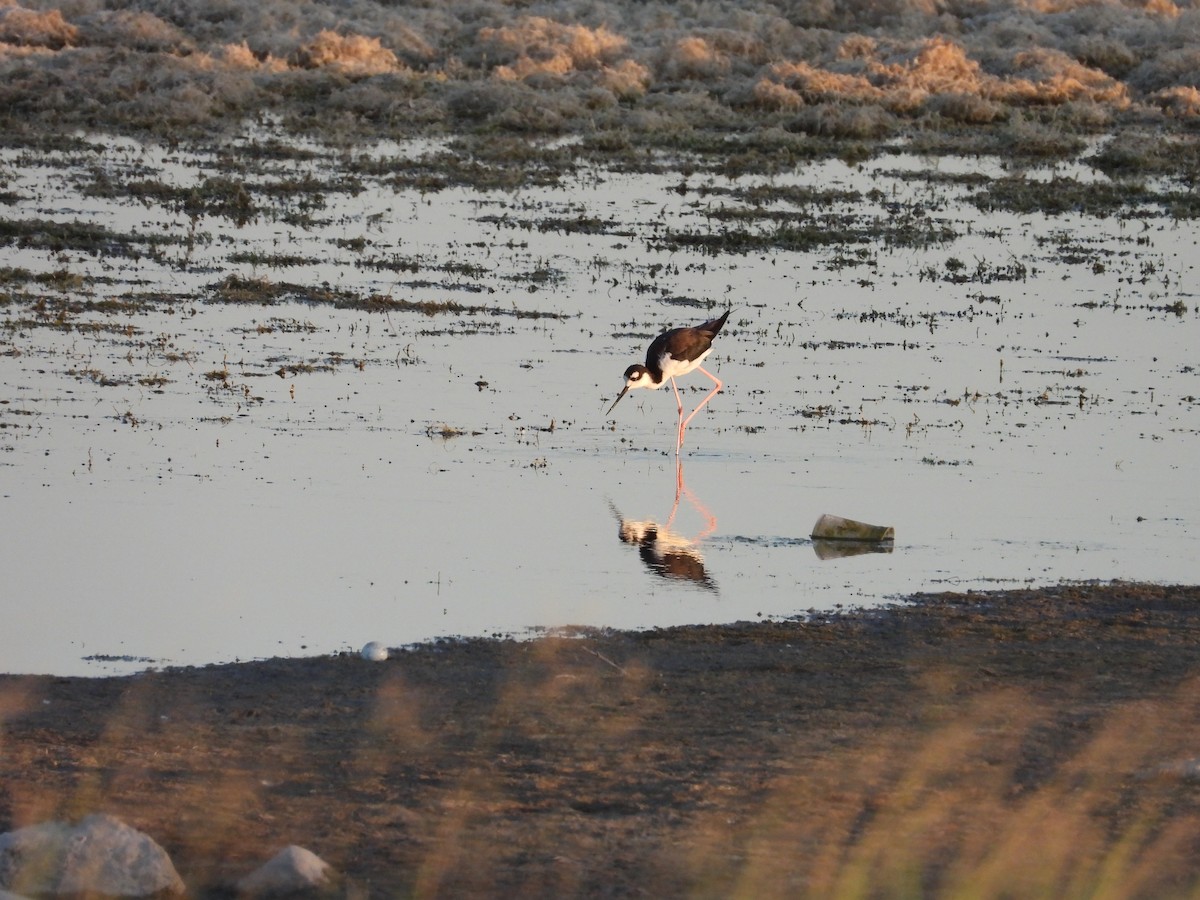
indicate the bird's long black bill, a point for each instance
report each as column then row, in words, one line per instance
column 624, row 391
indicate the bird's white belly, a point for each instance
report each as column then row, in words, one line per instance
column 674, row 368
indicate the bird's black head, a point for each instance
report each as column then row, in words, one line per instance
column 635, row 376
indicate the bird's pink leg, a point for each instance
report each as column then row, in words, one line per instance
column 679, row 409
column 684, row 422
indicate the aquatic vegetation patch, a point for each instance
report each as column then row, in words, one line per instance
column 542, row 275
column 935, row 461
column 279, row 325
column 1176, row 307
column 271, row 260
column 65, row 312
column 1067, row 247
column 413, row 264
column 909, row 227
column 237, row 289
column 219, row 195
column 984, row 271
column 86, row 237
column 1144, row 155
column 61, row 280
column 98, row 377
column 305, row 368
column 226, row 195
column 801, row 196
column 446, row 431
column 1062, row 195
column 583, row 223
column 261, row 291
column 496, row 164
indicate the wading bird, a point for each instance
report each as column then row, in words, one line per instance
column 672, row 354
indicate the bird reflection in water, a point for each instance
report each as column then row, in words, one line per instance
column 664, row 551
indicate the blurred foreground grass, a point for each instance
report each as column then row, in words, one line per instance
column 1024, row 744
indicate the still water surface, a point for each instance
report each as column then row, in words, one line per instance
column 1018, row 401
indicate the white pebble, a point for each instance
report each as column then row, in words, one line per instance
column 375, row 651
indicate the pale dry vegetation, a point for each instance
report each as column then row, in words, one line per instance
column 655, row 73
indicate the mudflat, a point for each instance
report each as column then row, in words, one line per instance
column 1020, row 743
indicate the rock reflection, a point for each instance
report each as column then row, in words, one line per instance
column 828, row 549
column 666, row 552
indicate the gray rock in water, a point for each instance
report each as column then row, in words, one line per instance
column 100, row 855
column 290, row 870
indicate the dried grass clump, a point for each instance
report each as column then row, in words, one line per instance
column 239, row 57
column 130, row 30
column 938, row 66
column 413, row 49
column 674, row 114
column 847, row 122
column 11, row 54
column 1162, row 8
column 1106, row 53
column 999, row 37
column 694, row 58
column 1140, row 155
column 1045, row 76
column 536, row 45
column 1027, row 138
column 373, row 99
column 817, row 85
column 352, row 55
column 537, row 118
column 771, row 95
column 191, row 91
column 744, row 48
column 1178, row 102
column 28, row 91
column 858, row 46
column 1172, row 68
column 626, row 80
column 548, row 55
column 27, row 28
column 902, row 84
column 146, row 92
column 183, row 104
column 961, row 813
column 477, row 102
column 1086, row 115
column 969, row 109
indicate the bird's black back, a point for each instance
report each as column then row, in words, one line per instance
column 684, row 343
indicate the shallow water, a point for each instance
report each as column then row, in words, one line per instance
column 196, row 480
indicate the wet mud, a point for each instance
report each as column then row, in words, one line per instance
column 1035, row 742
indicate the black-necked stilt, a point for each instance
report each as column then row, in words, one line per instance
column 672, row 354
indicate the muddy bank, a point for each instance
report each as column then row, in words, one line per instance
column 1036, row 742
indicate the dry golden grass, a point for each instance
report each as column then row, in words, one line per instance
column 633, row 68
